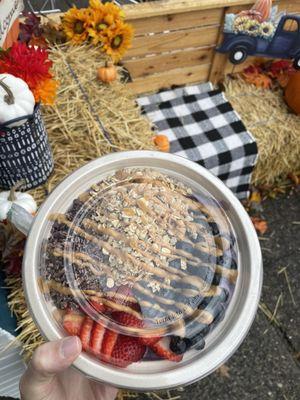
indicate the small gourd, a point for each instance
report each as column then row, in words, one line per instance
column 24, row 200
column 292, row 91
column 162, row 143
column 108, row 73
column 263, row 7
column 16, row 100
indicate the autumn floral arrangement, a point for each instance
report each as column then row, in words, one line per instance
column 33, row 66
column 102, row 25
column 269, row 74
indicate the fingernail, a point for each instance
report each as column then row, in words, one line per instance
column 69, row 347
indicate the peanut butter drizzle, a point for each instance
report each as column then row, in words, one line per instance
column 198, row 282
column 81, row 262
column 230, row 274
column 132, row 243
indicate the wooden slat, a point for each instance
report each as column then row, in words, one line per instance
column 166, row 42
column 186, row 58
column 175, row 22
column 178, row 76
column 165, row 7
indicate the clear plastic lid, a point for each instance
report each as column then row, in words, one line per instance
column 142, row 266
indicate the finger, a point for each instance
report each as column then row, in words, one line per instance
column 47, row 361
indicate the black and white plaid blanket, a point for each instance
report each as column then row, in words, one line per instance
column 202, row 126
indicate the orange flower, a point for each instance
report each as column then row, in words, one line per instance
column 45, row 92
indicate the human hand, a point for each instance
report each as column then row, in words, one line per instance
column 49, row 376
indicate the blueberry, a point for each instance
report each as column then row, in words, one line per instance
column 197, row 342
column 214, row 227
column 178, row 345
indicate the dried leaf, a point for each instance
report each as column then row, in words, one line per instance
column 223, row 371
column 38, row 41
column 294, row 178
column 259, row 80
column 255, row 197
column 260, row 225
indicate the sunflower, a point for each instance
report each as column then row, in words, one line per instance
column 266, row 30
column 100, row 24
column 252, row 27
column 118, row 40
column 107, row 8
column 239, row 24
column 75, row 24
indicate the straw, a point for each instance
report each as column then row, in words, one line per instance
column 274, row 126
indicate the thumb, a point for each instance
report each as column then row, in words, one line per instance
column 47, row 361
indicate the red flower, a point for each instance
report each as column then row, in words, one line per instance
column 28, row 63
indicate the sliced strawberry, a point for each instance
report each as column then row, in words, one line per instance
column 126, row 351
column 127, row 298
column 149, row 340
column 72, row 322
column 126, row 319
column 86, row 332
column 162, row 349
column 93, row 305
column 108, row 344
column 97, row 305
column 97, row 339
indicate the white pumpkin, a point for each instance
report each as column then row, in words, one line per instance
column 16, row 100
column 24, row 200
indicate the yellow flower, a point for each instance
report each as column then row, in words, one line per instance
column 107, row 8
column 100, row 24
column 252, row 27
column 96, row 4
column 112, row 9
column 45, row 92
column 75, row 24
column 267, row 29
column 118, row 40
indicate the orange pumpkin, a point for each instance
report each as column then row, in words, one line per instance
column 292, row 92
column 162, row 143
column 263, row 7
column 108, row 73
column 12, row 35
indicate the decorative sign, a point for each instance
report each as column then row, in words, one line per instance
column 9, row 12
column 261, row 31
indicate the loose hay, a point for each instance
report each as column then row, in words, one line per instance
column 75, row 133
column 275, row 128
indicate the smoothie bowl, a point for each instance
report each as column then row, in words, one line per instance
column 151, row 261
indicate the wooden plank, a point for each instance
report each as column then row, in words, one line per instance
column 175, row 22
column 186, row 58
column 178, row 76
column 219, row 60
column 166, row 42
column 165, row 7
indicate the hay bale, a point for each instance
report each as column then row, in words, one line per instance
column 275, row 128
column 72, row 123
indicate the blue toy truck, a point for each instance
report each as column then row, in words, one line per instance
column 284, row 44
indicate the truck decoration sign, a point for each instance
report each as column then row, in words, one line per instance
column 261, row 31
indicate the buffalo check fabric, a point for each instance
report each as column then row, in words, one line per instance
column 202, row 126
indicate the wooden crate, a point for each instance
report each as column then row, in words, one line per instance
column 175, row 41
